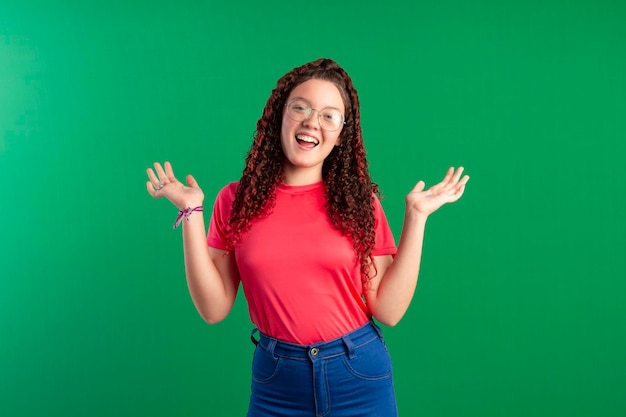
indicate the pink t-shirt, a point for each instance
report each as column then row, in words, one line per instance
column 300, row 275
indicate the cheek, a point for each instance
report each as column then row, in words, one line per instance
column 335, row 138
column 340, row 135
column 284, row 131
column 286, row 126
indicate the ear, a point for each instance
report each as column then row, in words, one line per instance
column 339, row 138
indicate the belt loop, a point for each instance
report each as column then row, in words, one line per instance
column 271, row 346
column 349, row 346
column 378, row 330
column 252, row 333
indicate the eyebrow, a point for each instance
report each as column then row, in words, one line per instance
column 323, row 108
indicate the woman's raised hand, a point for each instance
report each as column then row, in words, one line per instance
column 448, row 190
column 163, row 183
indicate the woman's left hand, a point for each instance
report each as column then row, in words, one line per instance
column 450, row 189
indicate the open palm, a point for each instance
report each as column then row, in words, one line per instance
column 449, row 190
column 163, row 183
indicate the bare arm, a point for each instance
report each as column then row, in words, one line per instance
column 392, row 288
column 212, row 275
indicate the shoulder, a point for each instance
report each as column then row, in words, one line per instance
column 224, row 199
column 376, row 202
column 379, row 212
column 227, row 193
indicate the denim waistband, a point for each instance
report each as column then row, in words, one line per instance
column 345, row 344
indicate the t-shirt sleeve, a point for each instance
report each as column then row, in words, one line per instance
column 385, row 243
column 218, row 225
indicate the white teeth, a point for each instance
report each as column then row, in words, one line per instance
column 308, row 139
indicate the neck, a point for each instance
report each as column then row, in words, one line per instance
column 302, row 176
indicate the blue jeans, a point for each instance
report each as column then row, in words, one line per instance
column 348, row 376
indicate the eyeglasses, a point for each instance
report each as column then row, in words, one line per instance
column 330, row 119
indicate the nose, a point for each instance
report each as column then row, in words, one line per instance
column 313, row 120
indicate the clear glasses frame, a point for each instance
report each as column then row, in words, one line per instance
column 329, row 118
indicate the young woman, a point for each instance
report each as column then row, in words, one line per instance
column 305, row 234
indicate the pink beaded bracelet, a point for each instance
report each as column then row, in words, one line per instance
column 185, row 214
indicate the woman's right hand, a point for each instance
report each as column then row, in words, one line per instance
column 163, row 183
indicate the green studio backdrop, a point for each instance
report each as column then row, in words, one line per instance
column 521, row 304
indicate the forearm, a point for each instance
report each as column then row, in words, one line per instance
column 212, row 293
column 397, row 286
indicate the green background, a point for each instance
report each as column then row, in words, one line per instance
column 521, row 304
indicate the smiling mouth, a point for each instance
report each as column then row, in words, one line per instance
column 307, row 141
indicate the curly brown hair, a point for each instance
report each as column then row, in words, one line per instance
column 349, row 187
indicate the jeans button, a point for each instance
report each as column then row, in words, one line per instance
column 315, row 351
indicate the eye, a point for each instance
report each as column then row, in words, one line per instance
column 332, row 116
column 300, row 107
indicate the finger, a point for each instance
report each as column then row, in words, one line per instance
column 419, row 187
column 161, row 173
column 153, row 178
column 457, row 175
column 449, row 173
column 458, row 192
column 438, row 188
column 169, row 171
column 151, row 189
column 460, row 188
column 453, row 179
column 459, row 183
column 445, row 182
column 191, row 181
